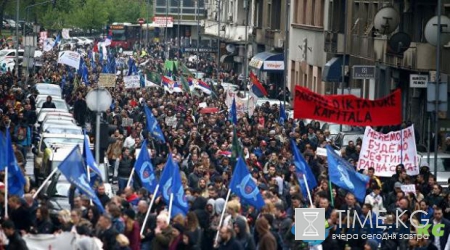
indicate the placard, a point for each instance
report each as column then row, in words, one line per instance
column 107, row 80
column 127, row 122
column 323, row 152
column 348, row 109
column 410, row 188
column 418, row 81
column 132, row 82
column 384, row 152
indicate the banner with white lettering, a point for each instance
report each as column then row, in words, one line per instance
column 243, row 105
column 384, row 152
column 132, row 82
column 64, row 240
column 70, row 58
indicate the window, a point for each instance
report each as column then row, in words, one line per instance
column 275, row 23
column 259, row 13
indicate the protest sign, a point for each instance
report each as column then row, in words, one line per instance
column 384, row 152
column 107, row 80
column 243, row 105
column 132, row 82
column 127, row 122
column 348, row 109
column 70, row 58
column 323, row 152
column 410, row 188
column 64, row 240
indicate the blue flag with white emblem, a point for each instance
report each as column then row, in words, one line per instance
column 343, row 175
column 144, row 169
column 95, row 174
column 302, row 168
column 243, row 185
column 233, row 112
column 16, row 179
column 153, row 126
column 170, row 183
column 74, row 170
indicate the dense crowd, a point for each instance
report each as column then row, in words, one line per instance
column 201, row 144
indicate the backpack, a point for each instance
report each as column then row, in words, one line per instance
column 21, row 133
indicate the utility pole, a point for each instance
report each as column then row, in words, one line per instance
column 17, row 39
column 197, row 18
column 344, row 53
column 179, row 24
column 218, row 39
column 438, row 83
column 166, row 46
column 286, row 49
column 147, row 23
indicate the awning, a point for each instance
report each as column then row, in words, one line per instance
column 268, row 61
column 227, row 59
column 332, row 71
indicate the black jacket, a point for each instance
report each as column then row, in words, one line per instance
column 48, row 105
column 108, row 237
column 21, row 218
column 232, row 244
column 16, row 242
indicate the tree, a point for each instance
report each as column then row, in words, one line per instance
column 2, row 11
column 93, row 14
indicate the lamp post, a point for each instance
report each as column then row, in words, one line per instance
column 17, row 38
column 344, row 53
column 218, row 39
column 98, row 100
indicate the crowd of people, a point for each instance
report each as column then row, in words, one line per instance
column 201, row 144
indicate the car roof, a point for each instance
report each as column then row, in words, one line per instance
column 46, row 86
column 50, row 135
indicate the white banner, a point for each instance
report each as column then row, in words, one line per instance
column 323, row 152
column 70, row 58
column 132, row 82
column 410, row 188
column 65, row 33
column 243, row 105
column 66, row 240
column 384, row 152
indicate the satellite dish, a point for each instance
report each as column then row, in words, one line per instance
column 231, row 48
column 386, row 20
column 399, row 43
column 431, row 30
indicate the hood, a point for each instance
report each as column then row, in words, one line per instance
column 199, row 204
column 242, row 225
column 219, row 205
column 373, row 244
column 211, row 202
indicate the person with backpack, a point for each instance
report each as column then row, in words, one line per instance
column 22, row 134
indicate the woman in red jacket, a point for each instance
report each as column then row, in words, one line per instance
column 132, row 229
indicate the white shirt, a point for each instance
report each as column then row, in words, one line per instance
column 129, row 142
column 376, row 201
column 437, row 239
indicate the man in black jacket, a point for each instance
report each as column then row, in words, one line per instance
column 15, row 240
column 108, row 234
column 49, row 104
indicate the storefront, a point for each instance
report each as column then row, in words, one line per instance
column 268, row 66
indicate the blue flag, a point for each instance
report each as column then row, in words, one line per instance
column 132, row 69
column 3, row 158
column 95, row 174
column 283, row 116
column 75, row 172
column 302, row 168
column 85, row 74
column 153, row 126
column 233, row 112
column 170, row 183
column 243, row 185
column 57, row 40
column 142, row 80
column 16, row 180
column 343, row 175
column 144, row 169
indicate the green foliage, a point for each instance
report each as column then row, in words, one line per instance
column 84, row 14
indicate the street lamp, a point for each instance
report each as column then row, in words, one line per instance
column 98, row 100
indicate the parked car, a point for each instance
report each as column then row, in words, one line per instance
column 47, row 89
column 43, row 113
column 10, row 54
column 13, row 23
column 443, row 166
column 261, row 101
column 59, row 104
column 342, row 138
column 45, row 156
column 336, row 128
column 6, row 25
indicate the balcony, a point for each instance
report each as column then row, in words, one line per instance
column 419, row 56
column 229, row 32
column 334, row 42
column 274, row 38
column 362, row 47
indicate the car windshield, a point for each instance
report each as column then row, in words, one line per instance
column 49, row 91
column 442, row 166
column 60, row 130
column 353, row 138
column 336, row 128
column 49, row 141
column 3, row 53
column 62, row 188
column 60, row 104
column 118, row 35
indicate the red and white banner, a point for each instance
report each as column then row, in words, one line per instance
column 348, row 109
column 384, row 152
column 162, row 21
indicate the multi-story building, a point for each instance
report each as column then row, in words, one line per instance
column 382, row 40
column 187, row 19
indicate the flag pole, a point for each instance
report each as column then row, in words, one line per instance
column 130, row 178
column 149, row 209
column 307, row 190
column 331, row 192
column 45, row 182
column 6, row 192
column 170, row 207
column 222, row 215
